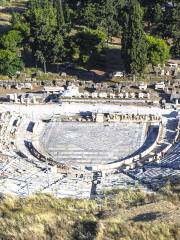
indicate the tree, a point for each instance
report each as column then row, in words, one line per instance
column 95, row 14
column 89, row 43
column 158, row 51
column 60, row 13
column 110, row 18
column 18, row 23
column 11, row 40
column 134, row 48
column 157, row 13
column 10, row 62
column 90, row 15
column 176, row 31
column 45, row 40
column 153, row 11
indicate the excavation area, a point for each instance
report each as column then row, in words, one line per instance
column 81, row 150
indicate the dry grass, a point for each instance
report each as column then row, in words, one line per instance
column 127, row 215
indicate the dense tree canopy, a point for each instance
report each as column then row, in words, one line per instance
column 10, row 63
column 46, row 38
column 158, row 50
column 11, row 40
column 10, row 52
column 89, row 43
column 56, row 30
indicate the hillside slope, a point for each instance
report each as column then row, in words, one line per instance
column 127, row 215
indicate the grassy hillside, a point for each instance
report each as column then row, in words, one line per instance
column 6, row 10
column 128, row 215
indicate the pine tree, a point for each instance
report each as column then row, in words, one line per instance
column 45, row 40
column 134, row 47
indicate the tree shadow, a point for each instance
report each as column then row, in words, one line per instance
column 13, row 9
column 85, row 230
column 79, row 73
column 147, row 217
column 4, row 27
column 113, row 60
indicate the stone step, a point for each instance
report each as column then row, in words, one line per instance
column 64, row 153
column 87, row 161
column 71, row 151
column 82, row 157
column 59, row 148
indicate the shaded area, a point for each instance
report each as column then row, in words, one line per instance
column 79, row 73
column 113, row 60
column 147, row 217
column 171, row 126
column 30, row 126
column 85, row 230
column 150, row 139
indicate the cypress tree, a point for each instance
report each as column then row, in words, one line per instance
column 176, row 31
column 134, row 49
column 60, row 13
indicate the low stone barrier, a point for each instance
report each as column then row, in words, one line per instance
column 166, row 149
column 177, row 135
